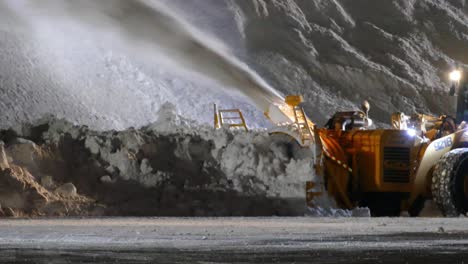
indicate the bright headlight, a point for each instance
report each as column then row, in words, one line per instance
column 411, row 132
column 455, row 76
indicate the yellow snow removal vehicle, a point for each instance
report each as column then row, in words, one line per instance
column 390, row 170
column 387, row 170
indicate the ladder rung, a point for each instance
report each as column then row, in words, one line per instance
column 229, row 111
column 229, row 115
column 234, row 118
column 303, row 125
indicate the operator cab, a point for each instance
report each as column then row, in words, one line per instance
column 433, row 127
column 352, row 120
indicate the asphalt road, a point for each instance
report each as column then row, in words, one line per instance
column 238, row 240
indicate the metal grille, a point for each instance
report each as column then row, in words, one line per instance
column 396, row 167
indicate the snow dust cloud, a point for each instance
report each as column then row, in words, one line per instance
column 147, row 27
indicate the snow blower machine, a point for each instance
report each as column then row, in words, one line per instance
column 390, row 170
column 387, row 170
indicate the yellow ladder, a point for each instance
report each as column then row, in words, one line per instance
column 232, row 118
column 307, row 136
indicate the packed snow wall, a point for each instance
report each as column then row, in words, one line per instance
column 396, row 54
column 336, row 53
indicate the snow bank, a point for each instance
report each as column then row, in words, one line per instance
column 173, row 166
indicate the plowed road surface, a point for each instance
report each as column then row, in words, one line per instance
column 241, row 240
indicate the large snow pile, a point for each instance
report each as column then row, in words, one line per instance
column 395, row 53
column 337, row 53
column 171, row 167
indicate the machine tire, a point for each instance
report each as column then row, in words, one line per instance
column 450, row 183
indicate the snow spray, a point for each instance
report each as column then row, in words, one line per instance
column 148, row 26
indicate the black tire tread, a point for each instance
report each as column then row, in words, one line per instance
column 443, row 181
